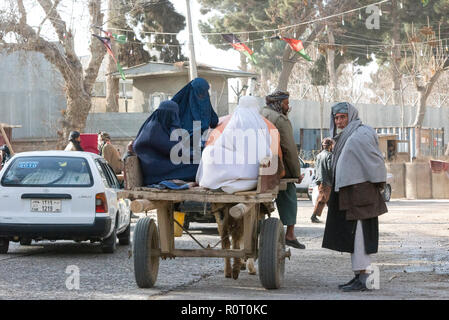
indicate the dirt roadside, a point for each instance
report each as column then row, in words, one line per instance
column 413, row 260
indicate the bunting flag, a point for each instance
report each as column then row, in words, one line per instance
column 120, row 38
column 240, row 46
column 297, row 46
column 107, row 43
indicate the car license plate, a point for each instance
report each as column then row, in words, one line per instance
column 46, row 205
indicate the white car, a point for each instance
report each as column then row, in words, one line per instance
column 61, row 195
column 308, row 175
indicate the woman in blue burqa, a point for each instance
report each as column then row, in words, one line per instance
column 194, row 105
column 153, row 145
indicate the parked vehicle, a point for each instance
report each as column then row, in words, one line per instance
column 59, row 195
column 308, row 176
column 387, row 189
column 310, row 191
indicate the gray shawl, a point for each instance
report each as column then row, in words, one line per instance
column 356, row 155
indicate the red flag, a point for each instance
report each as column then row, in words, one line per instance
column 239, row 46
column 297, row 46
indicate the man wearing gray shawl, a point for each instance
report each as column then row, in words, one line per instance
column 355, row 202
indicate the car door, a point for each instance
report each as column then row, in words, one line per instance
column 109, row 186
column 122, row 205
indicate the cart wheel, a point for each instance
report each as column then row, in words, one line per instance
column 272, row 253
column 146, row 261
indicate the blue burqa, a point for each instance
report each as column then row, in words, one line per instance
column 152, row 146
column 194, row 105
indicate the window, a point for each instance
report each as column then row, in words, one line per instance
column 48, row 172
column 103, row 175
column 156, row 98
column 108, row 175
column 99, row 89
column 113, row 178
column 126, row 90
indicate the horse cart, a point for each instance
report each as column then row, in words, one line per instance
column 263, row 237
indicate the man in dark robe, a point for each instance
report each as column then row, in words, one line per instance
column 355, row 202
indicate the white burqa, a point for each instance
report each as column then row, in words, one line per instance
column 232, row 162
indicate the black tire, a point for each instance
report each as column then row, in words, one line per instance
column 4, row 246
column 387, row 193
column 25, row 242
column 309, row 196
column 271, row 254
column 186, row 224
column 124, row 238
column 146, row 263
column 109, row 244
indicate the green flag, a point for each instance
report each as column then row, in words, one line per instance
column 120, row 38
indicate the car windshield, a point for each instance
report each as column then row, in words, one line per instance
column 48, row 172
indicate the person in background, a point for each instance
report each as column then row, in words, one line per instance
column 129, row 151
column 323, row 177
column 5, row 155
column 109, row 152
column 359, row 173
column 74, row 142
column 276, row 112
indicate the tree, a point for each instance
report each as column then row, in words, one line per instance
column 155, row 17
column 253, row 15
column 149, row 17
column 238, row 16
column 16, row 34
column 428, row 61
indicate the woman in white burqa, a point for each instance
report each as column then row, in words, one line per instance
column 234, row 150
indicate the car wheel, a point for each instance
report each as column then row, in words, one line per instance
column 4, row 246
column 186, row 224
column 124, row 238
column 109, row 244
column 387, row 193
column 25, row 242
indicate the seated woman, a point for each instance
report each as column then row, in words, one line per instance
column 194, row 105
column 235, row 148
column 153, row 146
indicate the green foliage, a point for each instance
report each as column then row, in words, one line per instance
column 152, row 18
column 319, row 75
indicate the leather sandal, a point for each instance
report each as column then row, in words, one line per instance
column 295, row 244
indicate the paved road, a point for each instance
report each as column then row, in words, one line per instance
column 413, row 260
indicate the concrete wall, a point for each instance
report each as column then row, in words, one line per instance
column 31, row 95
column 416, row 181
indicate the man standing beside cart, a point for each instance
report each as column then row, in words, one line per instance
column 276, row 112
column 355, row 202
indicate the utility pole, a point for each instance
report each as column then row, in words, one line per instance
column 192, row 61
column 112, row 85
